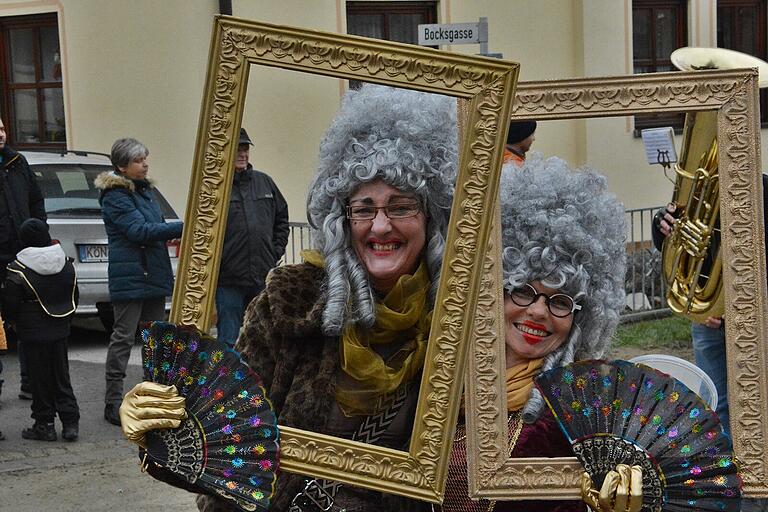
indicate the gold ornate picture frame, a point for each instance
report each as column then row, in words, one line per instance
column 487, row 85
column 734, row 94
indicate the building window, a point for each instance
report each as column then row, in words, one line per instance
column 32, row 99
column 659, row 27
column 392, row 21
column 741, row 26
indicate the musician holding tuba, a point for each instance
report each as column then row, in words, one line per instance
column 693, row 266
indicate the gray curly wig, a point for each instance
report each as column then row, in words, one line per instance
column 563, row 228
column 405, row 138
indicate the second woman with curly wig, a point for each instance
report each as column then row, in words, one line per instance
column 563, row 263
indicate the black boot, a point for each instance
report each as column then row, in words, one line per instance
column 69, row 432
column 40, row 432
column 112, row 414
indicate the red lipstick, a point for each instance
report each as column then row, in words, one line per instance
column 532, row 339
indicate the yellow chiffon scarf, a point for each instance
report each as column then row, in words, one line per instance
column 401, row 319
column 520, row 382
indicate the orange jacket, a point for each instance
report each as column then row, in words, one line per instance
column 514, row 158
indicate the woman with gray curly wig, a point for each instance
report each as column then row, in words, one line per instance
column 564, row 263
column 403, row 139
column 340, row 340
column 563, row 229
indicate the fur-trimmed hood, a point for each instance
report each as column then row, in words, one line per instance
column 110, row 179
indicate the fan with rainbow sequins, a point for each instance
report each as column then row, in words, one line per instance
column 623, row 413
column 229, row 442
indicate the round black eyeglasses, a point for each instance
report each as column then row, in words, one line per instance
column 559, row 304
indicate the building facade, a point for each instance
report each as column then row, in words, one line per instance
column 80, row 73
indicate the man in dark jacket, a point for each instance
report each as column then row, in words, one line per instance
column 255, row 240
column 20, row 199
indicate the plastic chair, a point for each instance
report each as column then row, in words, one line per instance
column 684, row 371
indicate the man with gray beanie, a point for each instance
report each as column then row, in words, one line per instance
column 39, row 299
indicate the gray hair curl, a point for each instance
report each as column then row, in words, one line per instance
column 563, row 228
column 408, row 140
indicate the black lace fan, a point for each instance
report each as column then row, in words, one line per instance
column 229, row 442
column 623, row 413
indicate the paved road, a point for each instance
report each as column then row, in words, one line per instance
column 100, row 472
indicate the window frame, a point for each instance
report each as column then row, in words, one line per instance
column 675, row 120
column 760, row 42
column 426, row 7
column 35, row 22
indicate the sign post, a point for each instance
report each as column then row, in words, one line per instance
column 435, row 34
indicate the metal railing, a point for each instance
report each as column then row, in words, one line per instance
column 298, row 240
column 645, row 288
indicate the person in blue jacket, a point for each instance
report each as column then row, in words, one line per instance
column 140, row 274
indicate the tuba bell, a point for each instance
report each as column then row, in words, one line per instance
column 691, row 259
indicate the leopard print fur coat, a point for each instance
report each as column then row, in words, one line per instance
column 282, row 341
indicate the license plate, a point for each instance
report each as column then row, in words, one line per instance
column 92, row 253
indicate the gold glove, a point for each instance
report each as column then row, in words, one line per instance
column 149, row 406
column 622, row 490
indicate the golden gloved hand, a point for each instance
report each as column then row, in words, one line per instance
column 149, row 406
column 622, row 490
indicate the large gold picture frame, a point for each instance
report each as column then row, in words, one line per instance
column 734, row 94
column 487, row 85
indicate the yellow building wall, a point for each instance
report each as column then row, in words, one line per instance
column 286, row 112
column 133, row 69
column 545, row 40
column 137, row 69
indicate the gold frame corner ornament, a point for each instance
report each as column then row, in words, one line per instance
column 734, row 95
column 487, row 85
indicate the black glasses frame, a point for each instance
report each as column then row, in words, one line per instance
column 547, row 300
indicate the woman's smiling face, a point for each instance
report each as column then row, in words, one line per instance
column 387, row 248
column 533, row 332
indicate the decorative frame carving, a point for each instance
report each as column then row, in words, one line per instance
column 734, row 94
column 488, row 87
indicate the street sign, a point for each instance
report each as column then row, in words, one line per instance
column 452, row 33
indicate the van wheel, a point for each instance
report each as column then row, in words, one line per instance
column 106, row 315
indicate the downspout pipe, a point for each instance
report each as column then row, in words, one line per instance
column 225, row 7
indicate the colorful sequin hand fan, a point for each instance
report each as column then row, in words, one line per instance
column 623, row 413
column 229, row 442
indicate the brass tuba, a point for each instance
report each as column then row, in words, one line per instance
column 691, row 260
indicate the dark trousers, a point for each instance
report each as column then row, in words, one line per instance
column 48, row 366
column 23, row 367
column 128, row 314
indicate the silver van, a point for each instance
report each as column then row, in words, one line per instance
column 74, row 217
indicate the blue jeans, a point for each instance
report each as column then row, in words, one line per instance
column 231, row 302
column 709, row 352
